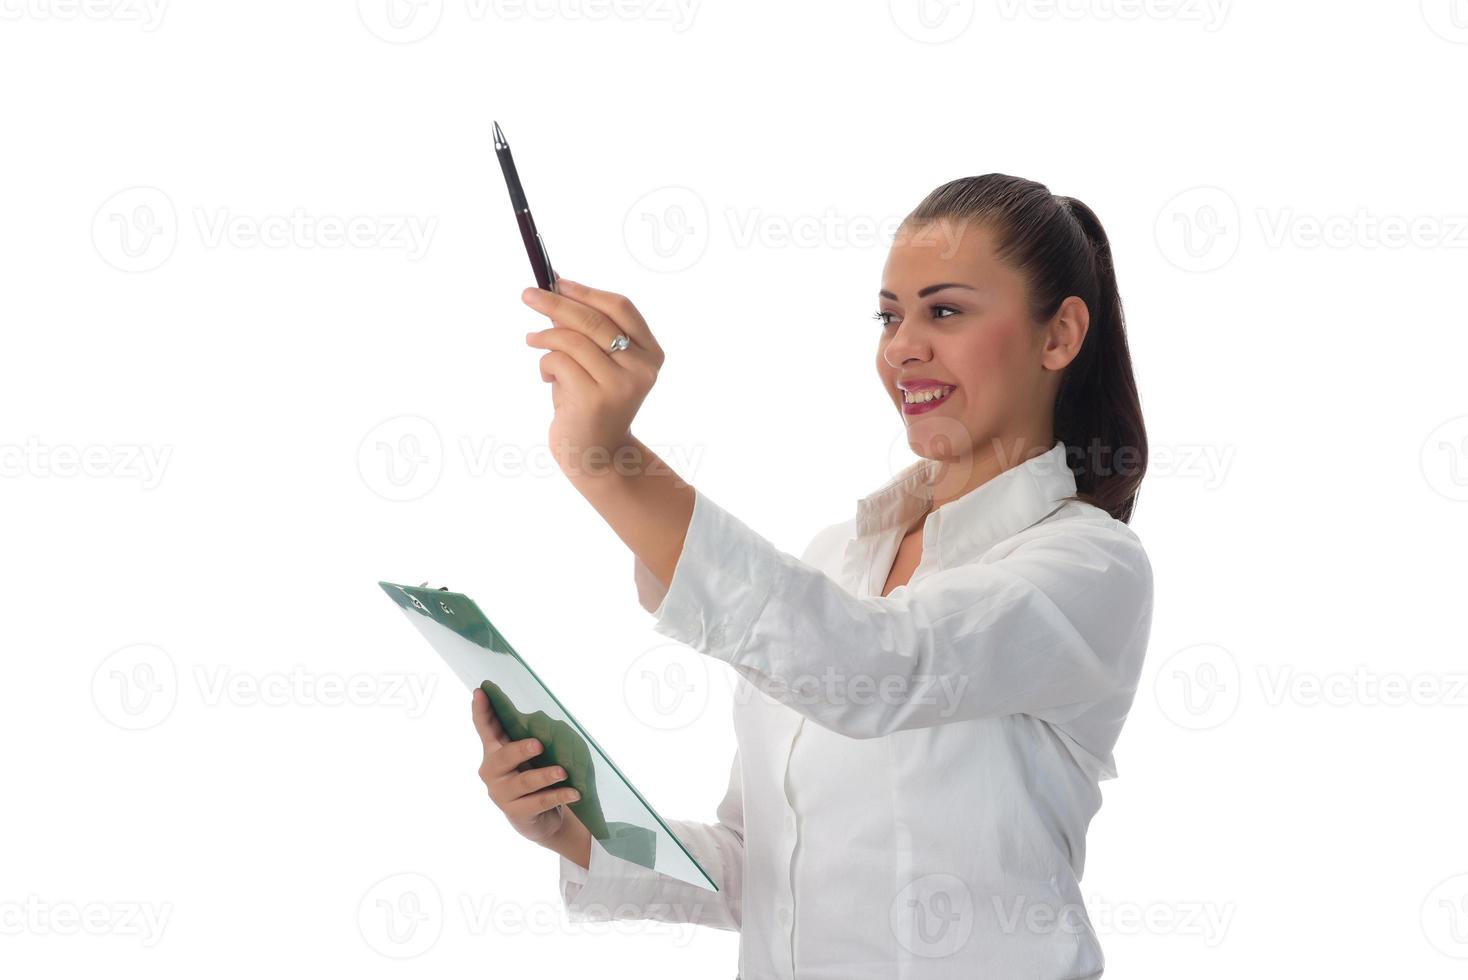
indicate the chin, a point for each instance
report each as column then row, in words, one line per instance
column 938, row 436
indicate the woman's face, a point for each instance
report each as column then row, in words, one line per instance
column 956, row 315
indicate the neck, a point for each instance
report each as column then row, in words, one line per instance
column 953, row 477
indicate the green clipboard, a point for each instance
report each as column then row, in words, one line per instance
column 620, row 819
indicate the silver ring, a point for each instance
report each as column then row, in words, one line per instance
column 619, row 342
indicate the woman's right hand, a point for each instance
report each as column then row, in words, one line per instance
column 516, row 788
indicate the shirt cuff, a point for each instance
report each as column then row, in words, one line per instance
column 597, row 892
column 725, row 575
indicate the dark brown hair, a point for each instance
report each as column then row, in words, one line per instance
column 1058, row 246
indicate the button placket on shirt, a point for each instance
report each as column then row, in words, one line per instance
column 784, row 913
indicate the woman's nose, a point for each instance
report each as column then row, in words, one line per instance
column 907, row 344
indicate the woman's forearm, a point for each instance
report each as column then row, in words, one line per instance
column 645, row 502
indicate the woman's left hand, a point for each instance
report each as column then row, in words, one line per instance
column 596, row 392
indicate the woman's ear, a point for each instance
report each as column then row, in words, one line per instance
column 1065, row 333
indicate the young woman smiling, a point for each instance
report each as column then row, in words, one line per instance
column 945, row 672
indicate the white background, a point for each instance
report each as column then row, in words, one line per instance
column 218, row 434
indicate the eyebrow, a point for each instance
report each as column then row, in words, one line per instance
column 927, row 290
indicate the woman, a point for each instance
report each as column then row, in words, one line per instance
column 943, row 675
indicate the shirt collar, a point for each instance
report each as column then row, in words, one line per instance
column 964, row 528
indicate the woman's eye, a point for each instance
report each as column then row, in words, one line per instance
column 881, row 316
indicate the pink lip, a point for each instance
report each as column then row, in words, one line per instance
column 922, row 384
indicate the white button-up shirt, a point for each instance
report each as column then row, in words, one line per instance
column 915, row 773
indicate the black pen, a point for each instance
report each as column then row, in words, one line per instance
column 545, row 276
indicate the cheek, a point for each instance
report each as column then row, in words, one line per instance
column 988, row 358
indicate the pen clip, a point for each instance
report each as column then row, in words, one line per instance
column 545, row 257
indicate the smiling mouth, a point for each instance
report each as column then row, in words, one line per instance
column 927, row 400
column 927, row 396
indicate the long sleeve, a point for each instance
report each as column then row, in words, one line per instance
column 612, row 888
column 1049, row 629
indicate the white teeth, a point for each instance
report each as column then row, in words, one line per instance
column 927, row 395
